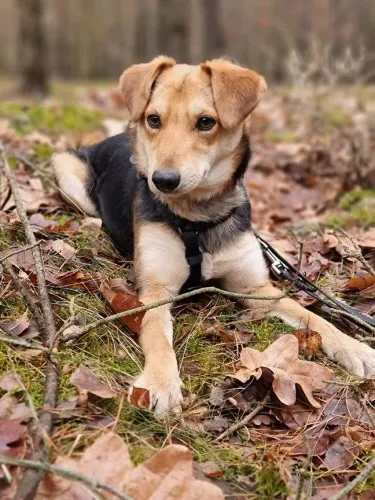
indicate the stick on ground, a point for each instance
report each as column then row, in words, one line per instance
column 93, row 485
column 32, row 477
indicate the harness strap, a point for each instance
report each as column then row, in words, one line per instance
column 194, row 256
column 285, row 271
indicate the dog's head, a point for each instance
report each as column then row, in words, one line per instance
column 189, row 122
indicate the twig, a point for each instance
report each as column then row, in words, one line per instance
column 244, row 421
column 183, row 296
column 351, row 316
column 23, row 291
column 362, row 476
column 32, row 478
column 21, row 342
column 93, row 485
column 358, row 255
column 19, row 250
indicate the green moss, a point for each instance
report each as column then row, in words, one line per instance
column 267, row 331
column 269, row 482
column 353, row 197
column 335, row 221
column 337, row 117
column 52, row 120
column 287, row 137
column 42, row 152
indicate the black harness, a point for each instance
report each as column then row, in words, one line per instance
column 190, row 231
column 282, row 269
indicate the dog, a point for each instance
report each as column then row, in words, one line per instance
column 178, row 175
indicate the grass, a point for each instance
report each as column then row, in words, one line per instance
column 114, row 355
column 53, row 120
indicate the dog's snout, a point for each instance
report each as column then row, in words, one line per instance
column 166, row 180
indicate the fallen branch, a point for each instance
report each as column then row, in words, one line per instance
column 244, row 421
column 25, row 294
column 358, row 253
column 32, row 478
column 182, row 296
column 21, row 342
column 19, row 250
column 92, row 484
column 362, row 476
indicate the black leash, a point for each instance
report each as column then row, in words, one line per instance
column 283, row 270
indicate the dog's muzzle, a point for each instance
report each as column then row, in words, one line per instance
column 166, row 180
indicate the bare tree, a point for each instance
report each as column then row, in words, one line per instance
column 214, row 37
column 173, row 29
column 32, row 48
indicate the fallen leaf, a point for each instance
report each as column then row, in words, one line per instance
column 168, row 474
column 341, row 454
column 23, row 260
column 64, row 249
column 316, row 446
column 85, row 380
column 216, row 424
column 73, row 279
column 341, row 411
column 367, row 240
column 360, row 282
column 140, row 397
column 297, row 416
column 216, row 396
column 17, row 326
column 124, row 301
column 309, row 341
column 10, row 382
column 12, row 409
column 12, row 433
column 279, row 364
column 92, row 226
column 210, row 469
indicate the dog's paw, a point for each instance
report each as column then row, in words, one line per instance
column 355, row 356
column 164, row 388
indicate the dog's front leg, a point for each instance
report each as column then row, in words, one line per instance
column 244, row 271
column 161, row 270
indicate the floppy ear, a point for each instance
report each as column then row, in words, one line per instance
column 136, row 83
column 236, row 90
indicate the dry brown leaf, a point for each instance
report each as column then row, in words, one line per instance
column 341, row 411
column 140, row 397
column 121, row 301
column 168, row 474
column 210, row 469
column 85, row 380
column 16, row 327
column 367, row 240
column 341, row 454
column 316, row 446
column 361, row 282
column 63, row 248
column 12, row 433
column 309, row 341
column 12, row 409
column 279, row 364
column 10, row 382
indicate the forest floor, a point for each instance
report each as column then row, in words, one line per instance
column 311, row 184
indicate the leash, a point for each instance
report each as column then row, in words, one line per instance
column 284, row 271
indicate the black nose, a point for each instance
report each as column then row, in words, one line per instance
column 166, row 180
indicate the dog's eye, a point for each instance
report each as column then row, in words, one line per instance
column 205, row 123
column 153, row 121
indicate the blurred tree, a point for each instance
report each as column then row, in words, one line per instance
column 32, row 48
column 214, row 37
column 173, row 29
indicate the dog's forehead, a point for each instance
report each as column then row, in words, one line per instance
column 183, row 81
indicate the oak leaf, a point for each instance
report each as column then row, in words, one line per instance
column 85, row 380
column 167, row 474
column 280, row 365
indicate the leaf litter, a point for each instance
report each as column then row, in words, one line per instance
column 295, row 188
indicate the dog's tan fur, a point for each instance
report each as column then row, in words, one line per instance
column 206, row 162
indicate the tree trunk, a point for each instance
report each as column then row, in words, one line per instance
column 213, row 36
column 32, row 48
column 173, row 29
